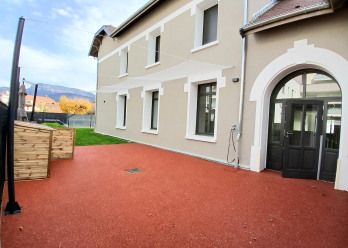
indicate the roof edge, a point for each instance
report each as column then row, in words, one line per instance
column 140, row 12
column 308, row 10
column 105, row 30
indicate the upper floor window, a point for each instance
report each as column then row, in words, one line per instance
column 157, row 50
column 210, row 25
column 154, row 47
column 124, row 62
column 206, row 23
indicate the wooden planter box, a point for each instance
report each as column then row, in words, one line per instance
column 32, row 150
column 63, row 143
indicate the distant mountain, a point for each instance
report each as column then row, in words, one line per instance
column 56, row 91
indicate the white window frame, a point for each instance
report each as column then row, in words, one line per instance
column 192, row 89
column 124, row 62
column 120, row 109
column 146, row 94
column 151, row 46
column 198, row 12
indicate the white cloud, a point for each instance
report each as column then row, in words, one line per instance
column 44, row 67
column 62, row 12
column 72, row 67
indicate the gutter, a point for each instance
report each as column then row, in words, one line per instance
column 242, row 84
column 140, row 12
column 248, row 27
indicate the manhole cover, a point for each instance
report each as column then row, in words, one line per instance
column 134, row 170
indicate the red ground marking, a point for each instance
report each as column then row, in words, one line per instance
column 175, row 201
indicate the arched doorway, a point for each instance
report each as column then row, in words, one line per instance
column 305, row 125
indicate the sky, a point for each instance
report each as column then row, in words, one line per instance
column 57, row 37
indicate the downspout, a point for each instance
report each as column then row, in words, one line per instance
column 242, row 83
column 96, row 96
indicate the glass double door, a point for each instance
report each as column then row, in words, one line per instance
column 303, row 139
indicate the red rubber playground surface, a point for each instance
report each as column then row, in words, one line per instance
column 174, row 201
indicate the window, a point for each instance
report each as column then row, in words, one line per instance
column 151, row 108
column 157, row 52
column 154, row 48
column 202, row 106
column 308, row 84
column 210, row 25
column 124, row 110
column 154, row 110
column 206, row 24
column 206, row 105
column 121, row 117
column 124, row 62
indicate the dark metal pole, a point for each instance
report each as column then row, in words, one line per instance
column 12, row 206
column 34, row 101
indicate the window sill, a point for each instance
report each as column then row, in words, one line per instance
column 121, row 127
column 196, row 49
column 152, row 65
column 123, row 75
column 209, row 139
column 150, row 131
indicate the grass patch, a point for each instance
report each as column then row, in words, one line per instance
column 53, row 124
column 87, row 137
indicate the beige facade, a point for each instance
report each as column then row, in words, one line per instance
column 181, row 63
column 177, row 41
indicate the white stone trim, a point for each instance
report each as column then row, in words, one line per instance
column 151, row 46
column 191, row 88
column 160, row 24
column 120, row 108
column 302, row 56
column 152, row 65
column 198, row 12
column 123, row 75
column 200, row 48
column 124, row 63
column 146, row 94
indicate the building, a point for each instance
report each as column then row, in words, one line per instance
column 202, row 77
column 42, row 104
column 4, row 97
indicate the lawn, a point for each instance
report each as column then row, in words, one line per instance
column 87, row 137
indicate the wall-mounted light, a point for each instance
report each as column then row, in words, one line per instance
column 235, row 80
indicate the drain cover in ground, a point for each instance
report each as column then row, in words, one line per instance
column 134, row 170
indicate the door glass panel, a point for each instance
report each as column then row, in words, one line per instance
column 276, row 125
column 296, row 125
column 320, row 85
column 311, row 124
column 293, row 89
column 333, row 125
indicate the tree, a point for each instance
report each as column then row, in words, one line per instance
column 77, row 106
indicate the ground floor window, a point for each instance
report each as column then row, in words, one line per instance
column 154, row 110
column 151, row 108
column 121, row 115
column 206, row 105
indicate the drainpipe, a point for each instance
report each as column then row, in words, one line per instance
column 242, row 82
column 96, row 96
